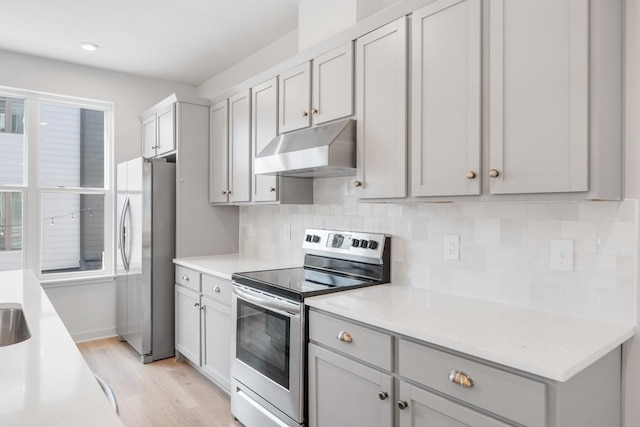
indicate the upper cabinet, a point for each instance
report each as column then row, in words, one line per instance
column 240, row 147
column 219, row 152
column 539, row 96
column 445, row 126
column 158, row 132
column 264, row 127
column 317, row 91
column 381, row 105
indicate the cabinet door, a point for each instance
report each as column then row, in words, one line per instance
column 219, row 153
column 188, row 323
column 149, row 133
column 295, row 98
column 240, row 147
column 538, row 89
column 216, row 341
column 166, row 130
column 343, row 392
column 332, row 94
column 264, row 127
column 445, row 142
column 425, row 409
column 381, row 105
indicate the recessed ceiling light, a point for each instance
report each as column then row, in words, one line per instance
column 89, row 46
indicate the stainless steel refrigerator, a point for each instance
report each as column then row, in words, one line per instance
column 146, row 246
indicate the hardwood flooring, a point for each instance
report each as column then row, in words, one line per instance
column 162, row 393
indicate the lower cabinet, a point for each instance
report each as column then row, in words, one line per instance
column 343, row 392
column 203, row 328
column 360, row 375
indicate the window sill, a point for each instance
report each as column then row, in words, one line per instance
column 76, row 281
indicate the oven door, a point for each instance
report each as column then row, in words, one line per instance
column 267, row 348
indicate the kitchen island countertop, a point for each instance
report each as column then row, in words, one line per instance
column 45, row 381
column 553, row 346
column 224, row 266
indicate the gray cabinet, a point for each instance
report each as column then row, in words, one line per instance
column 445, row 98
column 381, row 110
column 295, row 98
column 203, row 323
column 539, row 96
column 344, row 392
column 219, row 152
column 158, row 132
column 240, row 147
column 360, row 375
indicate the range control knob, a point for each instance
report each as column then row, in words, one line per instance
column 308, row 237
column 315, row 238
column 355, row 243
column 373, row 244
column 363, row 244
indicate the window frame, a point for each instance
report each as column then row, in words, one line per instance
column 32, row 191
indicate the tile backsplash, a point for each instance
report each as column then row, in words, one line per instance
column 505, row 247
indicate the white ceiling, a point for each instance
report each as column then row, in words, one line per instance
column 184, row 41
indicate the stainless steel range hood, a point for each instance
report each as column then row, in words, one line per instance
column 322, row 151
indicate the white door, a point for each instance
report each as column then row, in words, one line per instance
column 188, row 323
column 166, row 130
column 240, row 147
column 219, row 153
column 149, row 133
column 264, row 127
column 332, row 94
column 539, row 99
column 343, row 392
column 216, row 341
column 420, row 408
column 295, row 98
column 381, row 105
column 445, row 98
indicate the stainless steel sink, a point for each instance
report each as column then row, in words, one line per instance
column 13, row 325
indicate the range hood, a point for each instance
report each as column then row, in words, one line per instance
column 322, row 151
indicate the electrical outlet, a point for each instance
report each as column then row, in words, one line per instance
column 452, row 247
column 286, row 232
column 562, row 255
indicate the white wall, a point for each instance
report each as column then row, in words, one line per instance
column 88, row 310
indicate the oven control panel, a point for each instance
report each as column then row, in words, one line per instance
column 341, row 244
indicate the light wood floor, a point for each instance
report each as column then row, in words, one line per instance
column 162, row 393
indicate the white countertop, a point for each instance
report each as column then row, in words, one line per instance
column 224, row 266
column 45, row 381
column 550, row 345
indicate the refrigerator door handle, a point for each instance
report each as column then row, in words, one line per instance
column 122, row 236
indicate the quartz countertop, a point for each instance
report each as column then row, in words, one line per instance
column 550, row 345
column 45, row 381
column 224, row 266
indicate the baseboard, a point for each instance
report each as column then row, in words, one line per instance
column 96, row 334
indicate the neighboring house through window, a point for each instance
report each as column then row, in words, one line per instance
column 55, row 185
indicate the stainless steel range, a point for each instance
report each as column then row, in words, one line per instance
column 269, row 329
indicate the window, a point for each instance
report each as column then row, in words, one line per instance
column 55, row 185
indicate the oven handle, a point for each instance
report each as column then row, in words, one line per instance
column 267, row 302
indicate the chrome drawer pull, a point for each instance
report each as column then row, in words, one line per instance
column 345, row 336
column 383, row 395
column 460, row 378
column 402, row 404
column 185, row 277
column 216, row 289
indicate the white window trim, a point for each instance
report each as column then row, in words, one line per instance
column 31, row 193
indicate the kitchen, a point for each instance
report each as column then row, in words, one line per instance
column 504, row 246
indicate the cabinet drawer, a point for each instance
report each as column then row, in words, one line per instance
column 216, row 288
column 509, row 395
column 368, row 345
column 188, row 278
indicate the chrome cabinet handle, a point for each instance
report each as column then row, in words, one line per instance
column 216, row 289
column 382, row 395
column 224, row 192
column 344, row 336
column 305, row 114
column 185, row 278
column 314, row 111
column 402, row 404
column 471, row 175
column 272, row 189
column 493, row 173
column 460, row 378
column 197, row 304
column 357, row 184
